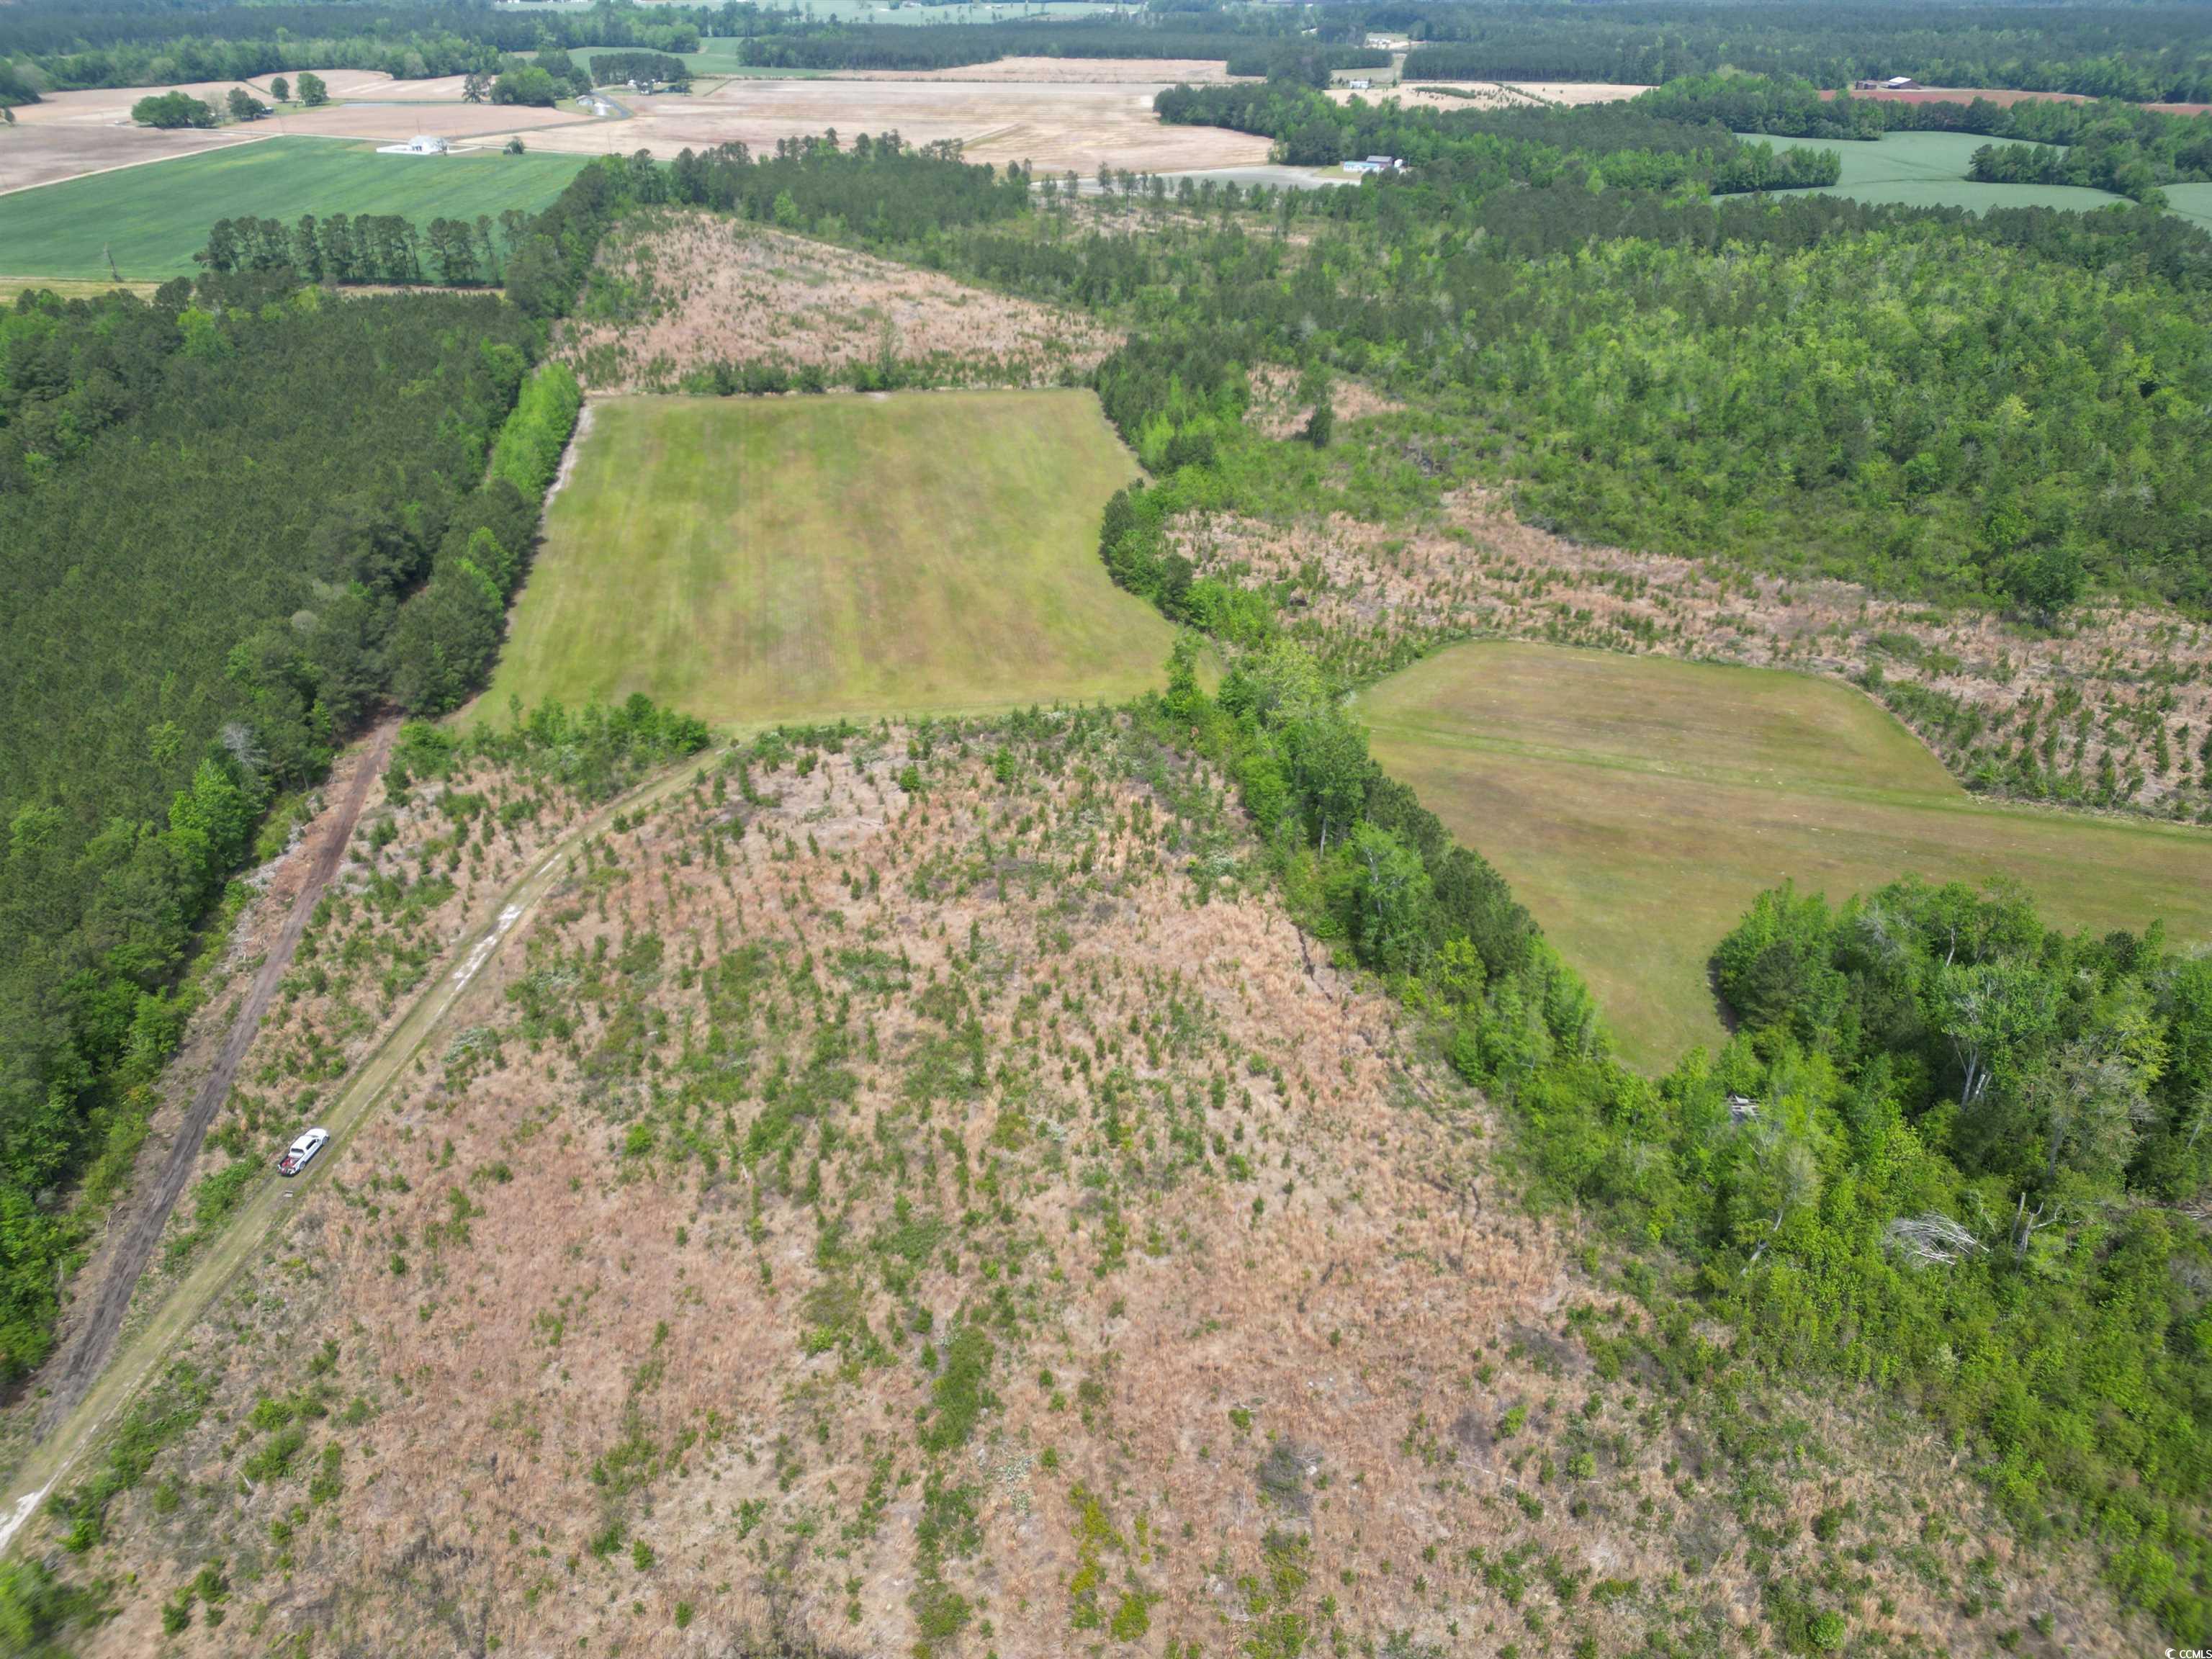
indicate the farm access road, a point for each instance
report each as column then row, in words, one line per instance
column 74, row 1429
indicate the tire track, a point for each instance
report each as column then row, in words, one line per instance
column 94, row 1339
column 109, row 1389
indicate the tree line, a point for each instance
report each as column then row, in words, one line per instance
column 1627, row 147
column 238, row 519
column 2150, row 53
column 368, row 247
column 950, row 46
column 62, row 47
column 875, row 188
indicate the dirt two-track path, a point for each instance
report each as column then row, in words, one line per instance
column 98, row 1391
column 89, row 1345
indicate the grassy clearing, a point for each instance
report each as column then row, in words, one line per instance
column 1637, row 805
column 1928, row 169
column 2191, row 202
column 754, row 560
column 153, row 219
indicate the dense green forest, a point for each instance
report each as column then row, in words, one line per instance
column 232, row 523
column 1927, row 401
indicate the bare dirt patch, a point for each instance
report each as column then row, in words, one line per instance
column 1069, row 71
column 394, row 123
column 33, row 154
column 1076, row 125
column 676, row 292
column 912, row 1195
column 2117, row 693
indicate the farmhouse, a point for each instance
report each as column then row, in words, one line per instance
column 1375, row 164
column 421, row 144
column 1895, row 83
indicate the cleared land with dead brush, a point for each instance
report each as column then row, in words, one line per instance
column 676, row 292
column 897, row 1199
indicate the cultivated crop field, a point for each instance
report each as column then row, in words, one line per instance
column 1058, row 124
column 151, row 220
column 1638, row 805
column 1928, row 169
column 763, row 560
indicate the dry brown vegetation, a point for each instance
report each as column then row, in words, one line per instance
column 2116, row 691
column 1491, row 94
column 1276, row 412
column 677, row 291
column 911, row 1194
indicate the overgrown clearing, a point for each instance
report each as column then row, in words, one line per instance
column 1638, row 805
column 678, row 293
column 752, row 561
column 915, row 1193
column 151, row 220
column 1928, row 169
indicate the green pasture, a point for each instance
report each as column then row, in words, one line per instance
column 1637, row 805
column 152, row 219
column 1928, row 169
column 753, row 561
column 2191, row 202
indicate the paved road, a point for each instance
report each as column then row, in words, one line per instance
column 69, row 1438
column 87, row 1348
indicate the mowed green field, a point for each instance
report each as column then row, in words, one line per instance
column 1637, row 805
column 754, row 560
column 152, row 219
column 1928, row 169
column 2191, row 202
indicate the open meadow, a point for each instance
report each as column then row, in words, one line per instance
column 754, row 560
column 1637, row 805
column 1928, row 169
column 151, row 220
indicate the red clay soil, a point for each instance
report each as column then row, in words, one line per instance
column 86, row 1348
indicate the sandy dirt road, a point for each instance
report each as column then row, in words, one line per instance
column 72, row 1430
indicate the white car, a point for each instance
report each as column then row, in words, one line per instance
column 302, row 1152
